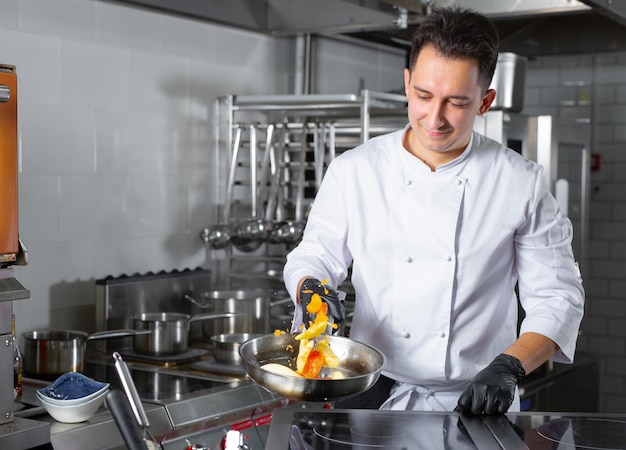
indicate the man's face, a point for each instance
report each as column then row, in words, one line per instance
column 444, row 96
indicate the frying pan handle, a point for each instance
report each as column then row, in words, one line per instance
column 123, row 415
column 131, row 391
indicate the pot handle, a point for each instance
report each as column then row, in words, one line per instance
column 209, row 316
column 196, row 302
column 111, row 334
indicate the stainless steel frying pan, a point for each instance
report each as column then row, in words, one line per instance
column 360, row 364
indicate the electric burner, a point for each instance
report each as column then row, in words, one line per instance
column 152, row 384
column 186, row 357
column 379, row 432
column 585, row 433
column 210, row 365
column 369, row 429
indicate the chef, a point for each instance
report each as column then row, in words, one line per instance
column 440, row 225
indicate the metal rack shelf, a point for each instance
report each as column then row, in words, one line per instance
column 271, row 154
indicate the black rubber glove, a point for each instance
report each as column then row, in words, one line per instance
column 493, row 389
column 336, row 307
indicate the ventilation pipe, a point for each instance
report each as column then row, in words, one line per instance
column 305, row 64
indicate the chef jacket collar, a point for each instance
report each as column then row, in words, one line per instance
column 411, row 159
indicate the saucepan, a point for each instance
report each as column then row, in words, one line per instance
column 169, row 331
column 51, row 353
column 226, row 346
column 359, row 369
column 48, row 354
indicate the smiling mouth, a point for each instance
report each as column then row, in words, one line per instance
column 435, row 133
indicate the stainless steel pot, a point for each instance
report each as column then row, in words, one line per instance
column 226, row 346
column 49, row 354
column 252, row 309
column 169, row 331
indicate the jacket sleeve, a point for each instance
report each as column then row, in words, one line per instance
column 550, row 284
column 322, row 253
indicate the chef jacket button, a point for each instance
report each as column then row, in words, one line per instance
column 408, row 182
column 458, row 182
column 405, row 333
column 408, row 258
column 448, row 258
column 441, row 334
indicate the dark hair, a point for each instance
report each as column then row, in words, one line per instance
column 459, row 33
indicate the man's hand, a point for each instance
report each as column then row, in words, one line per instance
column 493, row 389
column 336, row 306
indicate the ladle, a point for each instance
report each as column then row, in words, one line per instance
column 218, row 236
column 250, row 234
column 277, row 210
column 291, row 231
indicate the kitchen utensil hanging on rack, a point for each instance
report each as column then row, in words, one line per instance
column 280, row 179
column 250, row 234
column 291, row 231
column 218, row 236
column 273, row 198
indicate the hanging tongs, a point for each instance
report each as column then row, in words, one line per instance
column 135, row 438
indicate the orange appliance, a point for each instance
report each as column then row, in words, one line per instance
column 9, row 239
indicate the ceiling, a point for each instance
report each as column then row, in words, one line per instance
column 527, row 27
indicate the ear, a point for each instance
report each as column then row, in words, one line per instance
column 486, row 102
column 407, row 80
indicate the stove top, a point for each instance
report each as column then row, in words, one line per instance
column 156, row 384
column 297, row 429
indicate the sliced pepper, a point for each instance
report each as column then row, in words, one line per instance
column 315, row 304
column 323, row 309
column 316, row 328
column 313, row 365
column 330, row 358
column 305, row 348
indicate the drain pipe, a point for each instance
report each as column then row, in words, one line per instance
column 305, row 64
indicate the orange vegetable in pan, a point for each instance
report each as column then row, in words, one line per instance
column 313, row 364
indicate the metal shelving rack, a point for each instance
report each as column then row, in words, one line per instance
column 289, row 139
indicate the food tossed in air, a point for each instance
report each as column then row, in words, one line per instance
column 271, row 361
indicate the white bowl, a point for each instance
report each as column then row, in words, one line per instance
column 72, row 388
column 74, row 413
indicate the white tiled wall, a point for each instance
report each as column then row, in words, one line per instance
column 117, row 171
column 594, row 86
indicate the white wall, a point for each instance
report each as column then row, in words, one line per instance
column 117, row 171
column 594, row 87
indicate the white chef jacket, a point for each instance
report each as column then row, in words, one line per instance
column 436, row 255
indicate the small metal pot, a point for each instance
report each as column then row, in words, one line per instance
column 48, row 354
column 169, row 331
column 226, row 346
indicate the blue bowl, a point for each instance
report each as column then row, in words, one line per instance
column 72, row 388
